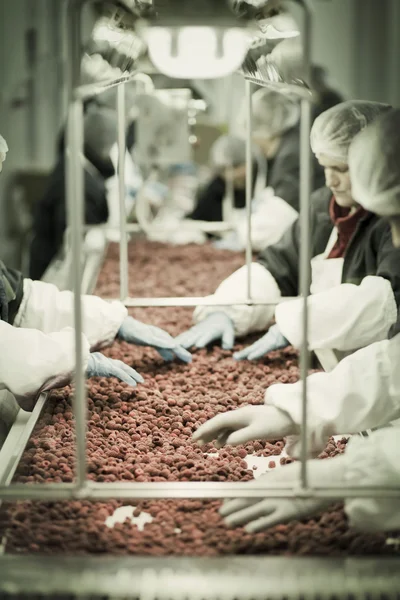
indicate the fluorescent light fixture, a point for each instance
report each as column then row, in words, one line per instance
column 197, row 52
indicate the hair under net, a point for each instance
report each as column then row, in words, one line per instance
column 100, row 130
column 228, row 151
column 334, row 130
column 273, row 113
column 3, row 145
column 374, row 161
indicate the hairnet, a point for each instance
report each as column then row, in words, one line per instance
column 334, row 130
column 3, row 145
column 100, row 130
column 228, row 151
column 374, row 161
column 273, row 113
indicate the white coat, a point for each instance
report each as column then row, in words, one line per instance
column 374, row 461
column 342, row 317
column 39, row 346
column 362, row 392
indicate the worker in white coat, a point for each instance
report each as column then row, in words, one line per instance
column 36, row 321
column 275, row 131
column 362, row 392
column 355, row 268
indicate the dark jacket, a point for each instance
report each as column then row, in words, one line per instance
column 283, row 174
column 370, row 251
column 50, row 215
column 210, row 199
column 11, row 293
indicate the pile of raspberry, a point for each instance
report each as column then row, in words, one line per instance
column 145, row 434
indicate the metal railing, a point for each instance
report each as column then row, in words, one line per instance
column 83, row 488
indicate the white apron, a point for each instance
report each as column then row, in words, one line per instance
column 326, row 273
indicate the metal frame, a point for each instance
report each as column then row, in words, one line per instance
column 217, row 578
column 82, row 488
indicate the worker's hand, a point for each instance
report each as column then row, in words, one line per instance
column 258, row 515
column 141, row 334
column 214, row 327
column 245, row 424
column 272, row 340
column 230, row 242
column 101, row 366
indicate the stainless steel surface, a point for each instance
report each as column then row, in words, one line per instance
column 17, row 439
column 249, row 186
column 195, row 301
column 217, row 578
column 305, row 243
column 75, row 212
column 123, row 246
column 181, row 490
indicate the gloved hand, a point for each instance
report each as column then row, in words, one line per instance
column 258, row 514
column 245, row 424
column 272, row 340
column 141, row 334
column 230, row 242
column 101, row 366
column 217, row 325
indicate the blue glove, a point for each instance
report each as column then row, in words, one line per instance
column 272, row 340
column 138, row 333
column 230, row 242
column 217, row 325
column 101, row 366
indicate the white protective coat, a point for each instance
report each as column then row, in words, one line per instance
column 271, row 217
column 341, row 316
column 40, row 345
column 362, row 392
column 374, row 461
column 133, row 182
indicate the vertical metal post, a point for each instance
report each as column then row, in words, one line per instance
column 123, row 244
column 249, row 187
column 305, row 246
column 75, row 208
column 228, row 204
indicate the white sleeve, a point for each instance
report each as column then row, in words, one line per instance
column 346, row 317
column 246, row 319
column 362, row 392
column 374, row 461
column 45, row 308
column 269, row 222
column 33, row 361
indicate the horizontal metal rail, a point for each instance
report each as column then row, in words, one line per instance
column 196, row 301
column 183, row 490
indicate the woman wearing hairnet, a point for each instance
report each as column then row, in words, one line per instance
column 362, row 392
column 355, row 268
column 101, row 188
column 36, row 322
column 276, row 133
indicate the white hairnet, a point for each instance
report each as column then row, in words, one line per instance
column 228, row 151
column 3, row 145
column 273, row 113
column 100, row 130
column 334, row 130
column 374, row 161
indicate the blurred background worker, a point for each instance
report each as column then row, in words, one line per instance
column 325, row 96
column 101, row 194
column 275, row 207
column 227, row 158
column 355, row 268
column 362, row 392
column 36, row 321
